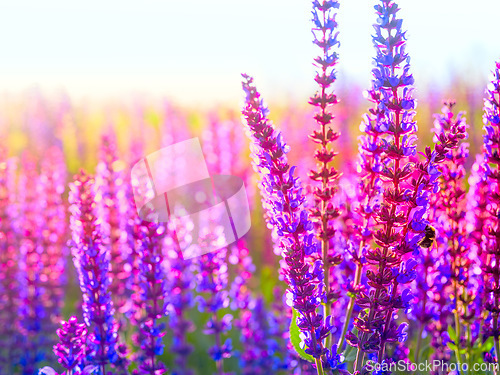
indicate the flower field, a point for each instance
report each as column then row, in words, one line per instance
column 374, row 245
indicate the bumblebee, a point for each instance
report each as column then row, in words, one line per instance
column 430, row 237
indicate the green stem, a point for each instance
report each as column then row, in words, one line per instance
column 319, row 366
column 457, row 336
column 421, row 331
column 350, row 307
column 469, row 348
column 360, row 357
column 218, row 364
column 326, row 265
column 419, row 343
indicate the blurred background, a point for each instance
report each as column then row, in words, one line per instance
column 192, row 52
column 68, row 70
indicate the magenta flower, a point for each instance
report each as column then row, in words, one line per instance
column 180, row 291
column 71, row 347
column 54, row 237
column 152, row 289
column 284, row 203
column 9, row 268
column 112, row 207
column 491, row 260
column 407, row 187
column 32, row 309
column 212, row 283
column 325, row 176
column 91, row 260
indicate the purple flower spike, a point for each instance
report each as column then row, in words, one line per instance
column 92, row 263
column 54, row 232
column 285, row 205
column 325, row 176
column 212, row 281
column 71, row 347
column 491, row 229
column 407, row 187
column 113, row 208
column 9, row 268
column 180, row 296
column 152, row 283
column 446, row 264
column 32, row 308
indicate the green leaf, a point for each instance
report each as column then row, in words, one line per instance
column 350, row 354
column 488, row 344
column 295, row 338
column 451, row 333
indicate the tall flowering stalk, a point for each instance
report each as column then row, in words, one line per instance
column 446, row 262
column 477, row 217
column 325, row 176
column 451, row 207
column 258, row 330
column 181, row 285
column 407, row 186
column 91, row 260
column 152, row 287
column 71, row 347
column 391, row 120
column 491, row 261
column 9, row 267
column 54, row 231
column 32, row 309
column 112, row 208
column 285, row 203
column 212, row 282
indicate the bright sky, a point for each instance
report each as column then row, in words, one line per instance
column 194, row 50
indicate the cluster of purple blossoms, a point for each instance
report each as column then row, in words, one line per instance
column 450, row 213
column 72, row 344
column 491, row 258
column 91, row 260
column 285, row 203
column 212, row 283
column 323, row 212
column 111, row 208
column 407, row 185
column 443, row 275
column 152, row 288
column 181, row 285
column 32, row 261
column 9, row 284
column 54, row 233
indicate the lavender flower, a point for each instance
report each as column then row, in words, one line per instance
column 32, row 307
column 212, row 281
column 54, row 231
column 71, row 347
column 152, row 283
column 260, row 347
column 401, row 216
column 9, row 284
column 451, row 204
column 326, row 177
column 112, row 209
column 180, row 296
column 284, row 203
column 446, row 266
column 92, row 263
column 491, row 261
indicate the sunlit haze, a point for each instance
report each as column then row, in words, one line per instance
column 194, row 51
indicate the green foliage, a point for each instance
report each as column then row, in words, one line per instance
column 295, row 338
